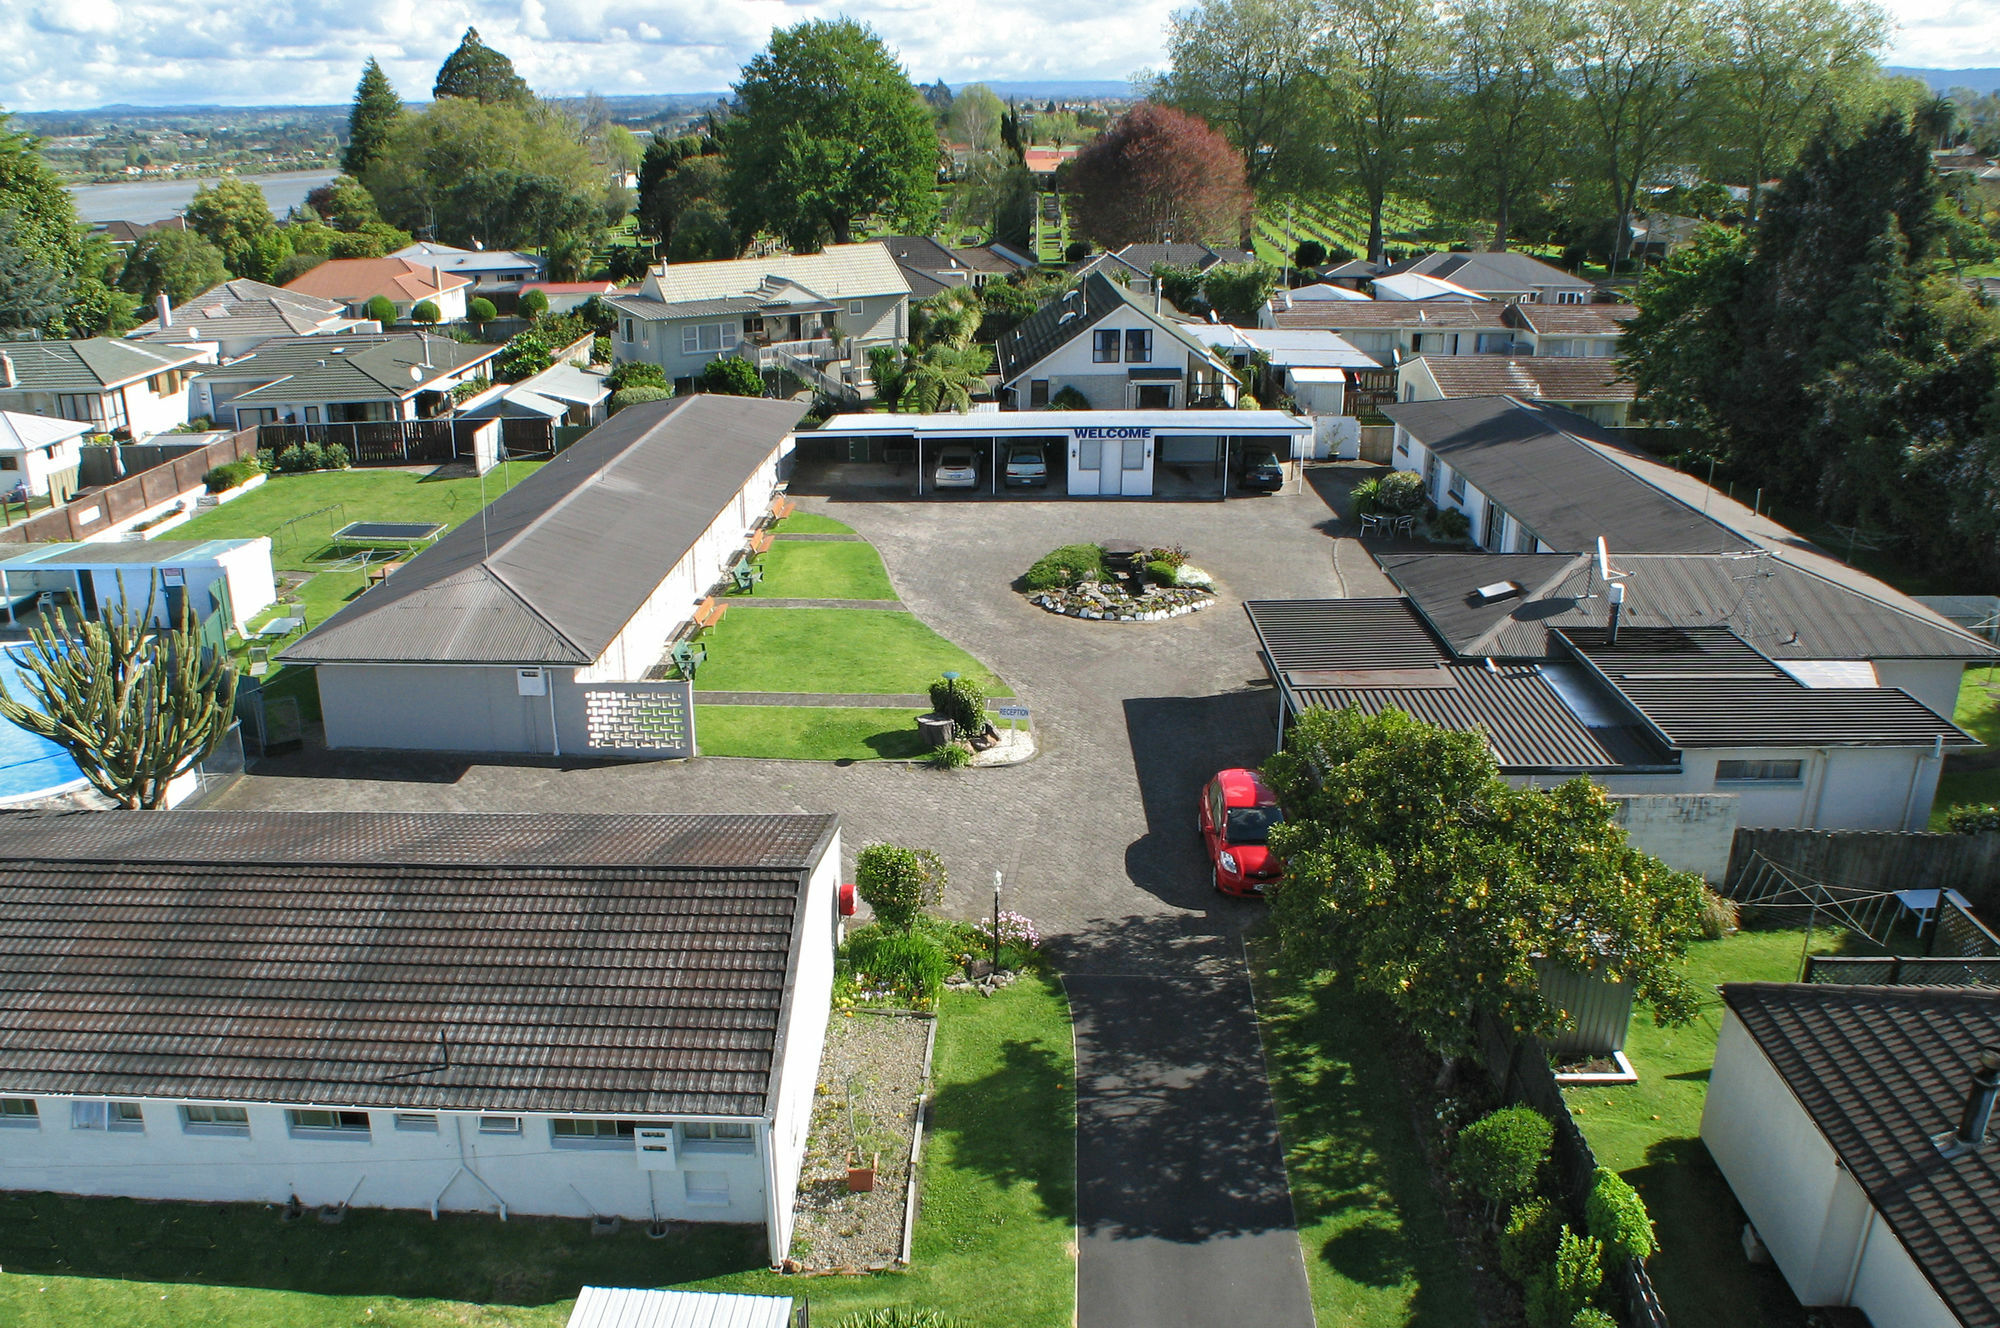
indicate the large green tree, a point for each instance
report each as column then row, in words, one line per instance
column 464, row 170
column 1378, row 65
column 176, row 263
column 975, row 118
column 1245, row 66
column 1414, row 872
column 55, row 278
column 375, row 112
column 827, row 130
column 235, row 217
column 477, row 72
column 1508, row 113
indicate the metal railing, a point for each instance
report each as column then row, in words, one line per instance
column 1902, row 971
column 818, row 350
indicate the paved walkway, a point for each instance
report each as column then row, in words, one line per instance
column 1182, row 1210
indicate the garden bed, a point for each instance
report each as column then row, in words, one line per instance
column 1102, row 603
column 1118, row 581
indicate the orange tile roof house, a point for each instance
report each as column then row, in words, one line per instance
column 404, row 282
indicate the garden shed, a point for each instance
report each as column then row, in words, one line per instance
column 233, row 575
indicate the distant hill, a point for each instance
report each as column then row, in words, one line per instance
column 1944, row 80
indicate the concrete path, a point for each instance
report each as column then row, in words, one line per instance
column 1182, row 1210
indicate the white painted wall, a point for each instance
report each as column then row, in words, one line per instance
column 433, row 707
column 1891, row 1291
column 1687, row 831
column 804, row 1042
column 1932, row 681
column 1108, row 385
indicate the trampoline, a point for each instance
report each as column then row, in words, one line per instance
column 30, row 766
column 388, row 534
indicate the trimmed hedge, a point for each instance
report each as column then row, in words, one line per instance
column 229, row 475
column 1066, row 568
column 1616, row 1215
column 1500, row 1154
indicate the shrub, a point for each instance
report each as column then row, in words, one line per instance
column 898, row 883
column 1400, row 492
column 913, row 965
column 383, row 310
column 1069, row 399
column 1616, row 1216
column 600, row 350
column 480, row 309
column 1718, row 915
column 632, row 396
column 293, row 460
column 423, row 311
column 733, row 376
column 1161, row 571
column 1452, row 524
column 1367, row 496
column 1016, row 930
column 230, row 474
column 1065, row 568
column 954, row 755
column 1076, row 251
column 1555, row 1295
column 334, row 457
column 469, row 389
column 267, row 460
column 963, row 701
column 635, row 373
column 1500, row 1154
column 901, row 1316
column 1310, row 253
column 1591, row 1317
column 532, row 305
column 1973, row 819
column 1528, row 1241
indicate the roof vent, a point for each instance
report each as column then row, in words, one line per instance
column 1497, row 591
column 1978, row 1113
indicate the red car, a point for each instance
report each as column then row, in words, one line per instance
column 1237, row 812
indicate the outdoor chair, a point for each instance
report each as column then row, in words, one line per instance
column 688, row 656
column 747, row 574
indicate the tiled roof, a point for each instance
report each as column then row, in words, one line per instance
column 553, row 962
column 356, row 280
column 1574, row 320
column 1546, row 378
column 838, row 272
column 558, row 565
column 90, row 366
column 1070, row 315
column 1881, row 1071
column 1705, row 687
column 1492, row 273
column 1416, row 315
column 984, row 260
column 242, row 308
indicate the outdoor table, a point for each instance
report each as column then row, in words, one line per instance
column 281, row 626
column 1923, row 904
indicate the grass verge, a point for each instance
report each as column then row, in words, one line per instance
column 1377, row 1247
column 808, row 733
column 847, row 569
column 1978, row 713
column 994, row 1240
column 872, row 651
column 363, row 495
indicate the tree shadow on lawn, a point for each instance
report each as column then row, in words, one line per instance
column 1009, row 1126
column 1700, row 1270
column 1178, row 744
column 373, row 1252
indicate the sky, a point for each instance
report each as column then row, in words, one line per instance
column 73, row 54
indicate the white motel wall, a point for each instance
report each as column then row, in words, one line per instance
column 460, row 1161
column 1824, row 1235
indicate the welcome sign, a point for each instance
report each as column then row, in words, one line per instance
column 1110, row 432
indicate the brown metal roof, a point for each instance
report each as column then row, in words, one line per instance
column 1547, row 377
column 1416, row 315
column 1881, row 1071
column 1321, row 634
column 1575, row 320
column 626, row 964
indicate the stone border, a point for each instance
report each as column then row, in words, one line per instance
column 1115, row 612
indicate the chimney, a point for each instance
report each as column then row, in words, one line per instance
column 1617, row 597
column 1978, row 1113
column 7, row 379
column 166, row 311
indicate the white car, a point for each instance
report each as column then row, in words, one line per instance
column 957, row 468
column 1027, row 464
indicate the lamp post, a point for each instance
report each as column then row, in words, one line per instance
column 996, row 919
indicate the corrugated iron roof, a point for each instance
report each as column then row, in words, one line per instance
column 1881, row 1071
column 511, row 963
column 1415, row 315
column 626, row 1307
column 1327, row 634
column 839, row 272
column 555, row 568
column 1574, row 320
column 1550, row 378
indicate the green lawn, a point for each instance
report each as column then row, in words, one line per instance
column 812, row 523
column 1651, row 1133
column 881, row 651
column 1978, row 713
column 811, row 569
column 807, row 733
column 1377, row 1247
column 363, row 495
column 994, row 1242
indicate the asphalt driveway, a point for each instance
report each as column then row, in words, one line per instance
column 1184, row 1216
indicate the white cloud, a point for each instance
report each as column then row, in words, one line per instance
column 1946, row 34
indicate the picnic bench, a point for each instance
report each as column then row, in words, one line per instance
column 760, row 542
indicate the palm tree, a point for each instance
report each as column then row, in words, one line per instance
column 944, row 377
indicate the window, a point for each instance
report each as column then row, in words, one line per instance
column 196, row 1119
column 628, row 329
column 1038, row 393
column 599, row 1133
column 1769, row 772
column 417, row 1122
column 329, row 1122
column 1454, row 485
column 10, row 463
column 1135, row 454
column 1139, row 345
column 1409, row 391
column 1569, row 297
column 86, row 408
column 1430, row 473
column 1104, row 348
column 710, row 1188
column 97, row 1114
column 20, row 1113
column 499, row 1124
column 715, row 1136
column 854, row 308
column 1490, row 532
column 1402, row 442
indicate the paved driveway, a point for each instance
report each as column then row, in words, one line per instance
column 1183, row 1211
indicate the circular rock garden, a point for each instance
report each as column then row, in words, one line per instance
column 1118, row 581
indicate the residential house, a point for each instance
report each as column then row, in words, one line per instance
column 1313, row 369
column 125, row 235
column 1044, row 162
column 341, row 378
column 563, row 296
column 491, row 271
column 1853, row 1124
column 1392, row 330
column 1506, row 276
column 1133, row 265
column 931, row 268
column 151, row 580
column 1326, row 290
column 564, row 394
column 39, row 456
column 1119, row 351
column 404, row 282
column 130, row 390
column 1418, row 286
column 812, row 315
column 1584, row 331
column 537, row 627
column 1595, row 388
column 553, row 1014
column 237, row 316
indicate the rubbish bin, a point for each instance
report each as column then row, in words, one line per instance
column 937, row 730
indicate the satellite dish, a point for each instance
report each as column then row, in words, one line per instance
column 1604, row 568
column 417, row 376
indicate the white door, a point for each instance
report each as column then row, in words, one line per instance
column 1111, row 471
column 1096, row 468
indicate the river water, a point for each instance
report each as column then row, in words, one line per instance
column 153, row 200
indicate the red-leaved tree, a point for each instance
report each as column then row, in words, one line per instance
column 1156, row 175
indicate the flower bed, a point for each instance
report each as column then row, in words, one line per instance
column 1110, row 603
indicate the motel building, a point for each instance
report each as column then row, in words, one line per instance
column 1084, row 454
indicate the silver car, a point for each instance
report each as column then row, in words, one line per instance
column 1027, row 464
column 957, row 468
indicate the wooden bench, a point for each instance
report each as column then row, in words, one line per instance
column 782, row 507
column 688, row 656
column 380, row 573
column 760, row 542
column 709, row 614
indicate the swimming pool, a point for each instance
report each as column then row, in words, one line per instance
column 30, row 765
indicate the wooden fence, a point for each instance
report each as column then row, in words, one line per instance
column 1881, row 860
column 1519, row 1068
column 98, row 510
column 409, row 442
